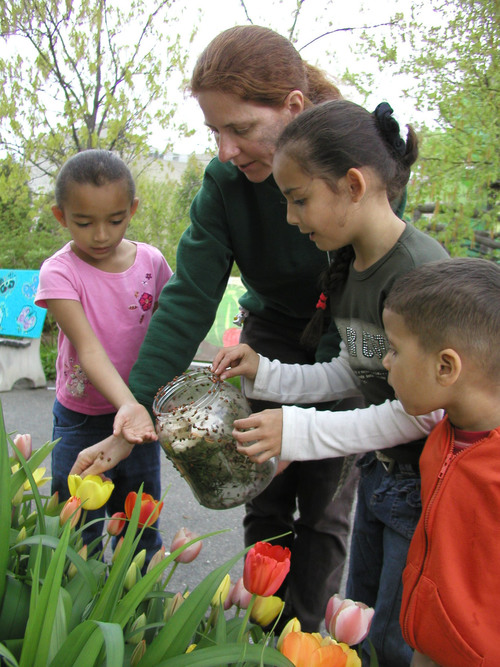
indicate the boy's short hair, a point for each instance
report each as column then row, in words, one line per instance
column 453, row 303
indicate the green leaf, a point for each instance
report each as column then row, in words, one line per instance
column 5, row 506
column 177, row 632
column 36, row 643
column 15, row 609
column 8, row 657
column 228, row 654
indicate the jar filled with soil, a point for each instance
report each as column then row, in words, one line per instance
column 194, row 423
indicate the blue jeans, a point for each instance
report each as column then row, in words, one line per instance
column 387, row 514
column 78, row 431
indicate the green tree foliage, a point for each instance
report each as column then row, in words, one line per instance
column 26, row 229
column 83, row 74
column 450, row 51
column 163, row 212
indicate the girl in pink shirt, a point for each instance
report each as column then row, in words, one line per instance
column 102, row 290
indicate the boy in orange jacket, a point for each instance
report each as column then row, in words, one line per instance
column 443, row 321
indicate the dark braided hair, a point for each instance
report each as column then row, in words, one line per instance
column 329, row 139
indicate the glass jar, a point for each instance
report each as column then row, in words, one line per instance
column 194, row 422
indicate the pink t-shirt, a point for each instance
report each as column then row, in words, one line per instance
column 118, row 307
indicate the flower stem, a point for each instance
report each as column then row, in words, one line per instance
column 246, row 618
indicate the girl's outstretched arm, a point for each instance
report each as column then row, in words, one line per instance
column 101, row 457
column 136, row 425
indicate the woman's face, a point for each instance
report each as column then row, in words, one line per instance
column 246, row 132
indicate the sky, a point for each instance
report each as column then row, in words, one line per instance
column 331, row 53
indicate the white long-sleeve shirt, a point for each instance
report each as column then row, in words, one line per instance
column 318, row 434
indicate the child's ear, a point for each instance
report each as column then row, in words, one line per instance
column 448, row 367
column 356, row 184
column 133, row 207
column 59, row 215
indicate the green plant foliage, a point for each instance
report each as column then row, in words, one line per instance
column 450, row 51
column 163, row 212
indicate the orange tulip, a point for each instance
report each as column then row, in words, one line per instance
column 150, row 508
column 306, row 650
column 266, row 567
column 71, row 510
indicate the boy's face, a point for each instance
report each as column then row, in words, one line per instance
column 412, row 370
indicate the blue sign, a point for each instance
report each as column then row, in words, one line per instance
column 18, row 314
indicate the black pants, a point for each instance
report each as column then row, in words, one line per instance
column 300, row 500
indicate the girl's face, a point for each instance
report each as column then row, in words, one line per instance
column 97, row 218
column 246, row 132
column 312, row 205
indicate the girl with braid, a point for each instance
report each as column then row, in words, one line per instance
column 339, row 167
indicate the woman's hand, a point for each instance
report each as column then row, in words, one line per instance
column 236, row 360
column 262, row 429
column 132, row 422
column 101, row 457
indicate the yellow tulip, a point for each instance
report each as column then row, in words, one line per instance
column 38, row 476
column 92, row 490
column 266, row 609
column 190, row 648
column 222, row 592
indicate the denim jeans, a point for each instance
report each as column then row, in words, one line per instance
column 387, row 513
column 78, row 431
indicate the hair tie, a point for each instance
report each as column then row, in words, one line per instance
column 322, row 301
column 389, row 128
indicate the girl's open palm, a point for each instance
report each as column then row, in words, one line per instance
column 236, row 360
column 262, row 429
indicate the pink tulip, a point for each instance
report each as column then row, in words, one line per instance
column 182, row 537
column 24, row 445
column 240, row 597
column 348, row 621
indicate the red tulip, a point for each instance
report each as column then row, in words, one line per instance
column 150, row 508
column 266, row 567
column 116, row 523
column 182, row 537
column 348, row 621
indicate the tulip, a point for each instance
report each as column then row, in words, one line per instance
column 116, row 524
column 265, row 569
column 156, row 558
column 52, row 503
column 138, row 653
column 172, row 605
column 306, row 649
column 240, row 596
column 182, row 537
column 93, row 491
column 222, row 592
column 348, row 621
column 150, row 508
column 140, row 558
column 72, row 569
column 22, row 535
column 132, row 576
column 17, row 499
column 136, row 632
column 71, row 510
column 293, row 625
column 24, row 445
column 190, row 648
column 266, row 609
column 117, row 549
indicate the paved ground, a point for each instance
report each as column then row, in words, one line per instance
column 30, row 411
